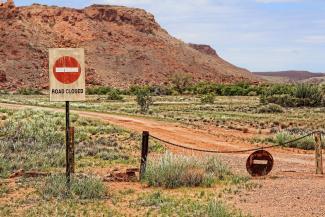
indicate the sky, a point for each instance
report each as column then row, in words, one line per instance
column 260, row 35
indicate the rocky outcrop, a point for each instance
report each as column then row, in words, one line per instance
column 7, row 5
column 203, row 48
column 124, row 46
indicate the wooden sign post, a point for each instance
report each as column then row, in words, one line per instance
column 318, row 153
column 67, row 83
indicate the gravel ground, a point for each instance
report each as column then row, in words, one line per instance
column 292, row 189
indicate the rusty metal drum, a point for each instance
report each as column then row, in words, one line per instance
column 259, row 163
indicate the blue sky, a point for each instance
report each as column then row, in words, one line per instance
column 260, row 35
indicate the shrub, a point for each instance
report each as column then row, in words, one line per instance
column 181, row 81
column 114, row 95
column 172, row 171
column 233, row 90
column 208, row 98
column 307, row 143
column 308, row 95
column 161, row 90
column 278, row 89
column 3, row 92
column 29, row 91
column 144, row 99
column 98, row 90
column 283, row 100
column 81, row 188
column 134, row 89
column 252, row 93
column 205, row 88
column 35, row 140
column 301, row 95
column 160, row 204
column 270, row 108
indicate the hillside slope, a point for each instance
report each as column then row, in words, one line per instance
column 288, row 76
column 124, row 46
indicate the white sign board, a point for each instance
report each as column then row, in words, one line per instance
column 67, row 74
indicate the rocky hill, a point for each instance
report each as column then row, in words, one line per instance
column 124, row 46
column 288, row 76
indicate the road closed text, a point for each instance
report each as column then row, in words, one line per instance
column 67, row 91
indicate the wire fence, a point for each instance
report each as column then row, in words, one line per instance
column 233, row 151
column 145, row 147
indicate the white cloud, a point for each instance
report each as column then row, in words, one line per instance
column 313, row 39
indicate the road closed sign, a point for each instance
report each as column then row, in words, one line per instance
column 67, row 74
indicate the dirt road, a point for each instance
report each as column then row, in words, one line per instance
column 291, row 189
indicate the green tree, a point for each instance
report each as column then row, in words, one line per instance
column 144, row 99
column 181, row 81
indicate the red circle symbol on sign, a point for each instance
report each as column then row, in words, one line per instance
column 66, row 69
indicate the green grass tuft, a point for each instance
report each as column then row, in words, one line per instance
column 81, row 188
column 172, row 171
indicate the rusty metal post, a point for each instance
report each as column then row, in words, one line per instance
column 71, row 153
column 318, row 153
column 144, row 153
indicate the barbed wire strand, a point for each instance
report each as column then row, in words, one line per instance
column 232, row 152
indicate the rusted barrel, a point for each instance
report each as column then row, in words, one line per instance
column 259, row 163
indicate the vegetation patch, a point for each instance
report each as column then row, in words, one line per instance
column 208, row 98
column 282, row 138
column 302, row 95
column 3, row 92
column 307, row 143
column 71, row 207
column 114, row 95
column 81, row 188
column 36, row 140
column 160, row 204
column 144, row 99
column 29, row 91
column 270, row 108
column 172, row 171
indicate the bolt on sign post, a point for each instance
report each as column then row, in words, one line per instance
column 67, row 83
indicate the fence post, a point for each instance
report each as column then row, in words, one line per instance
column 144, row 153
column 71, row 154
column 318, row 153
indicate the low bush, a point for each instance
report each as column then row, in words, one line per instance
column 35, row 140
column 270, row 108
column 208, row 98
column 283, row 100
column 239, row 89
column 158, row 90
column 3, row 92
column 181, row 81
column 114, row 95
column 144, row 99
column 278, row 89
column 234, row 90
column 300, row 95
column 172, row 171
column 81, row 188
column 164, row 205
column 29, row 91
column 98, row 90
column 205, row 88
column 282, row 138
